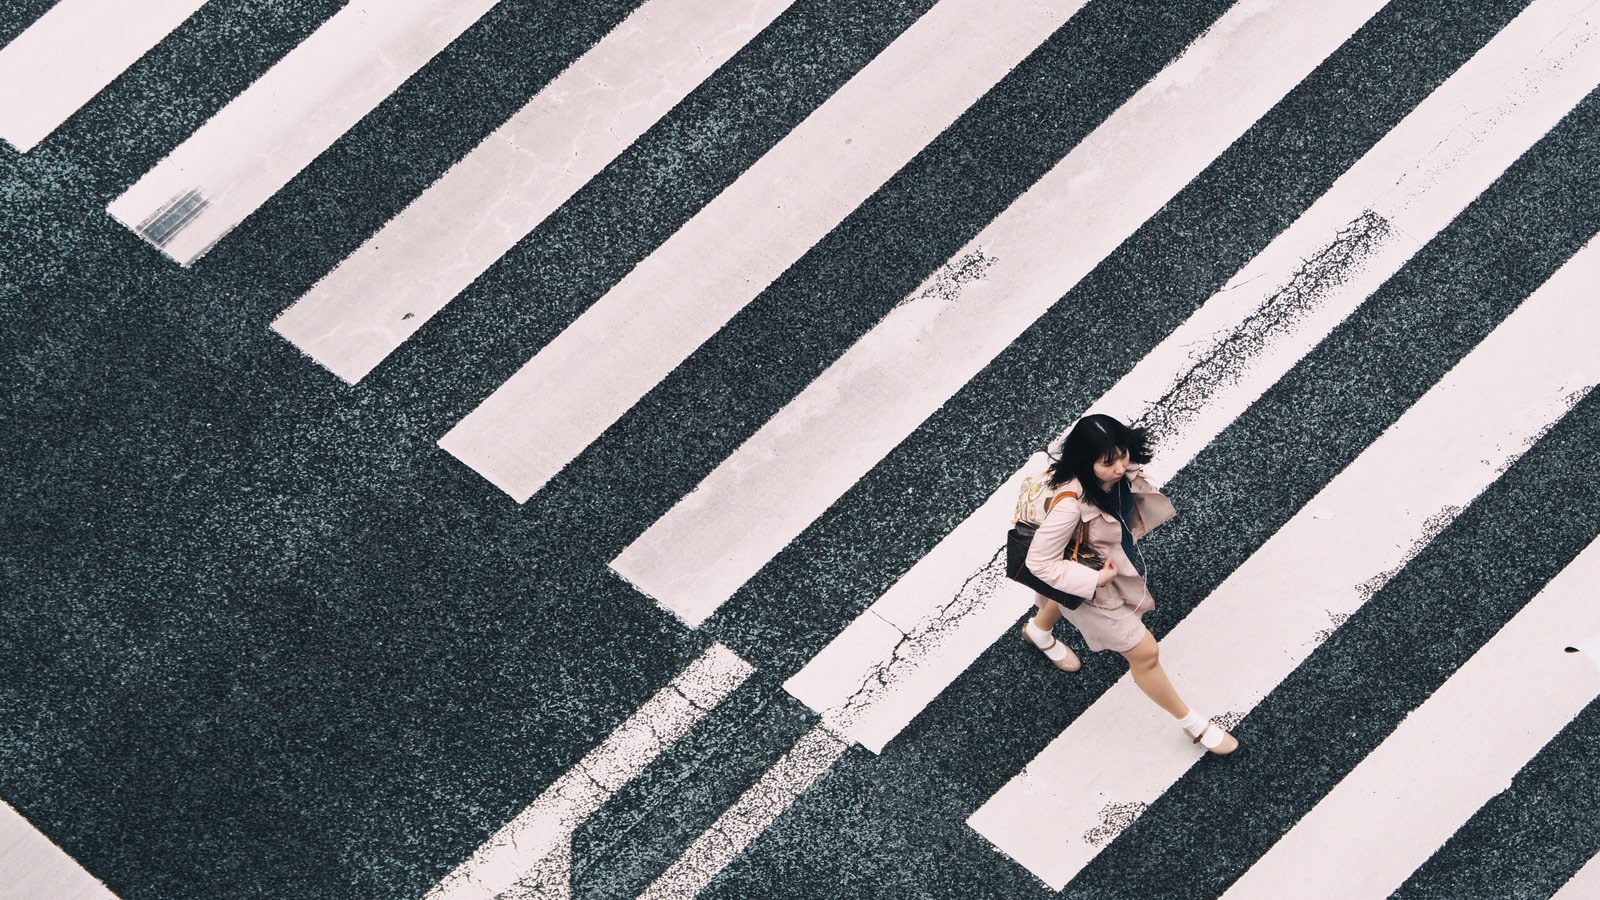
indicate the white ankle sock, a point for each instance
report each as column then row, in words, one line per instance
column 1039, row 636
column 1192, row 723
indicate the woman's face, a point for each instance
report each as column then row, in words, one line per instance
column 1110, row 473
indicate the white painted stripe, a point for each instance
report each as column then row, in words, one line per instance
column 1450, row 756
column 672, row 302
column 743, row 822
column 264, row 136
column 1339, row 550
column 1590, row 647
column 909, row 645
column 418, row 262
column 906, row 367
column 1585, row 885
column 70, row 54
column 31, row 865
column 520, row 854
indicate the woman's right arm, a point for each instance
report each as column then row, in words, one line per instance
column 1049, row 546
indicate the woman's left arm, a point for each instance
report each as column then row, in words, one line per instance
column 1153, row 507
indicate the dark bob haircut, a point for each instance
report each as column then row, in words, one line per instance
column 1097, row 438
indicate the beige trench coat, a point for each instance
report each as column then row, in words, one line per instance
column 1050, row 542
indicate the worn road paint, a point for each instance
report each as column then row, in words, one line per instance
column 526, row 853
column 696, row 556
column 743, row 822
column 266, row 135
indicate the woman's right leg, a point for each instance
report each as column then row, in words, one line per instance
column 1048, row 615
column 1037, row 631
column 1144, row 664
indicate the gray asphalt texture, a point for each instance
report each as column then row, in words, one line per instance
column 262, row 638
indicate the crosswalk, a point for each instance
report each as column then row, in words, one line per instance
column 70, row 54
column 1285, row 301
column 909, row 364
column 1314, row 573
column 1393, row 346
column 720, row 260
column 265, row 136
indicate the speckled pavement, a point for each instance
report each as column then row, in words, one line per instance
column 261, row 636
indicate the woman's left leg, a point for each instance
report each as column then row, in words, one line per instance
column 1144, row 664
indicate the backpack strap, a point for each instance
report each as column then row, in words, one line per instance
column 1051, row 504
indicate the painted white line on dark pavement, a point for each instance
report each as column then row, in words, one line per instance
column 33, row 866
column 71, row 53
column 743, row 822
column 1448, row 757
column 593, row 372
column 1590, row 647
column 1339, row 550
column 953, row 603
column 576, row 125
column 1585, row 885
column 266, row 135
column 697, row 555
column 532, row 851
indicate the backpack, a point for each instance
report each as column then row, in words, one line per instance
column 1033, row 504
column 1037, row 499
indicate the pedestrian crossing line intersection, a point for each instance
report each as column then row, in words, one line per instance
column 532, row 854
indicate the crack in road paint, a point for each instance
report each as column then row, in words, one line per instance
column 1228, row 720
column 929, row 632
column 1572, row 399
column 1225, row 363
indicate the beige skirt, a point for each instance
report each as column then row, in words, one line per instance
column 1119, row 628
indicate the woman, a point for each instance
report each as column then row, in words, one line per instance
column 1104, row 490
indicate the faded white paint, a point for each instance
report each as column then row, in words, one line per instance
column 530, row 855
column 909, row 645
column 71, row 53
column 266, row 135
column 576, row 125
column 1324, row 564
column 927, row 348
column 677, row 298
column 749, row 816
